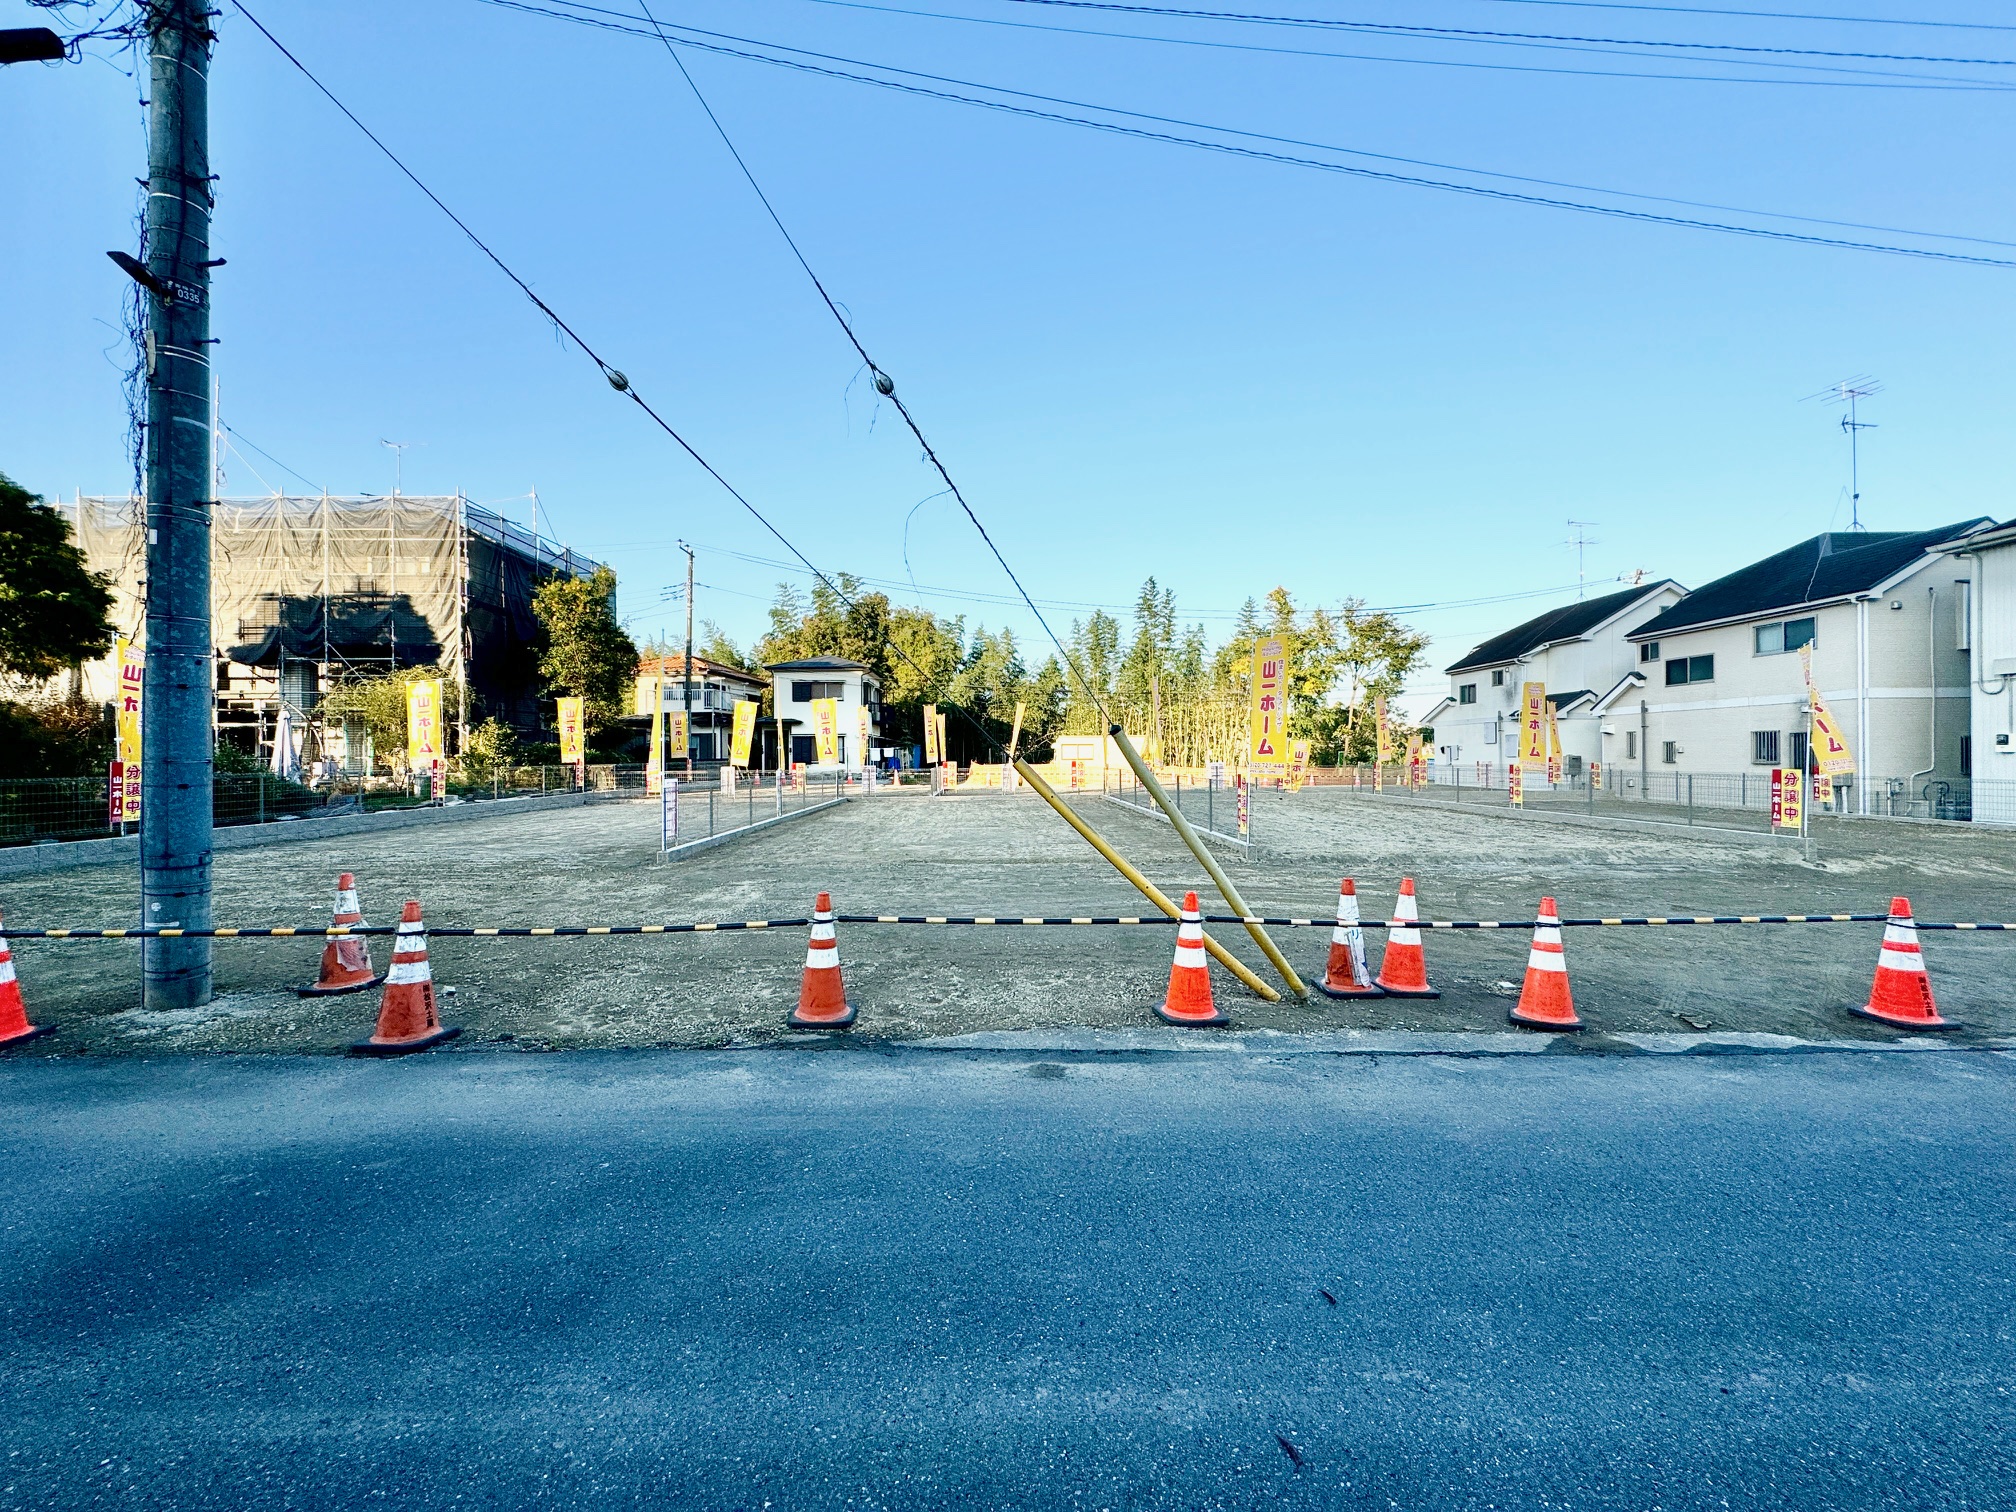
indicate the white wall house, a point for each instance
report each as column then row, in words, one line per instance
column 1988, row 641
column 795, row 684
column 1579, row 651
column 1722, row 689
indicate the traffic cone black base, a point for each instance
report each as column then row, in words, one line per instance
column 1940, row 1027
column 844, row 1022
column 1374, row 991
column 405, row 1047
column 363, row 986
column 1219, row 1018
column 34, row 1032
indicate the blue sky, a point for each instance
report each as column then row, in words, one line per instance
column 1136, row 358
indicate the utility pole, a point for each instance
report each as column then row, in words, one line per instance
column 177, row 698
column 686, row 700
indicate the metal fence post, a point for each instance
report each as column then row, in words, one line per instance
column 262, row 797
column 1690, row 797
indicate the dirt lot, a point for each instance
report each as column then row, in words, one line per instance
column 986, row 853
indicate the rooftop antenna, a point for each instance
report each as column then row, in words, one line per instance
column 1850, row 391
column 399, row 461
column 1581, row 543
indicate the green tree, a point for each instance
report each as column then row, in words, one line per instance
column 52, row 607
column 584, row 650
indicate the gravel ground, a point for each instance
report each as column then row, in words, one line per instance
column 991, row 854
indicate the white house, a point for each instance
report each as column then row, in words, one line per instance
column 1580, row 651
column 1985, row 564
column 796, row 684
column 1721, row 690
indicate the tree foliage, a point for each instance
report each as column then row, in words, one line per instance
column 379, row 705
column 584, row 651
column 52, row 607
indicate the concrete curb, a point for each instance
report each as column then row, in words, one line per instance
column 66, row 855
column 1675, row 828
column 694, row 847
column 1244, row 850
column 1411, row 1042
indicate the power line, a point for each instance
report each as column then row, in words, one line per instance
column 1231, row 149
column 1878, row 79
column 1697, row 10
column 615, row 377
column 884, row 384
column 1483, row 35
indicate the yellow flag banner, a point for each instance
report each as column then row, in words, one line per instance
column 677, row 747
column 654, row 762
column 1416, row 775
column 573, row 735
column 1553, row 744
column 1831, row 755
column 944, row 745
column 1268, row 721
column 1515, row 782
column 1384, row 731
column 826, row 730
column 931, row 756
column 864, row 735
column 743, row 734
column 1533, row 722
column 1298, row 764
column 423, row 724
column 132, row 664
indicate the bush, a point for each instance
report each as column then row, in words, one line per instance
column 489, row 753
column 68, row 739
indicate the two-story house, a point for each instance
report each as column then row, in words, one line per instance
column 1721, row 688
column 1985, row 567
column 797, row 684
column 716, row 689
column 1580, row 651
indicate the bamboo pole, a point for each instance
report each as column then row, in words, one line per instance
column 1148, row 889
column 1209, row 862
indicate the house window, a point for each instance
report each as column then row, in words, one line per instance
column 1498, row 678
column 805, row 692
column 1669, row 752
column 1630, row 745
column 1467, row 693
column 1764, row 747
column 1966, row 755
column 1784, row 635
column 801, row 692
column 1690, row 669
column 1963, row 639
column 1798, row 750
column 1648, row 651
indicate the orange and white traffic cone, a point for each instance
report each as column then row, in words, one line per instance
column 1347, row 974
column 346, row 959
column 407, row 1017
column 822, row 1001
column 1188, row 1001
column 14, row 1026
column 1902, row 993
column 1403, row 969
column 1545, row 1001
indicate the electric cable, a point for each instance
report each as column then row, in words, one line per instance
column 614, row 376
column 1700, row 10
column 884, row 384
column 1763, row 233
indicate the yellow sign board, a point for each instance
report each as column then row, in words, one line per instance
column 1267, row 723
column 573, row 731
column 1533, row 722
column 743, row 734
column 826, row 730
column 424, row 747
column 932, row 755
column 1831, row 755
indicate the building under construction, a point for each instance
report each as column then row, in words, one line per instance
column 306, row 593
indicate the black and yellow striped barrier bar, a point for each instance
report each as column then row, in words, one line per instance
column 727, row 926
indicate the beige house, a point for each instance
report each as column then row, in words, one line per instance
column 1986, row 563
column 1719, row 687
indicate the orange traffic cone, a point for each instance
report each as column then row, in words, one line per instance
column 1403, row 969
column 1902, row 993
column 14, row 1026
column 822, row 1001
column 346, row 959
column 1545, row 1001
column 1188, row 1001
column 1347, row 974
column 407, row 1018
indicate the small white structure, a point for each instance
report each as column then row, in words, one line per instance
column 1985, row 564
column 796, row 685
column 1722, row 689
column 717, row 688
column 1580, row 651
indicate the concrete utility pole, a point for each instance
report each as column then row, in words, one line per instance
column 176, row 704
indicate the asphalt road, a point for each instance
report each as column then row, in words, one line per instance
column 915, row 1279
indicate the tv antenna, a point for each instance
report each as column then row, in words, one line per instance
column 1850, row 391
column 399, row 461
column 1580, row 543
